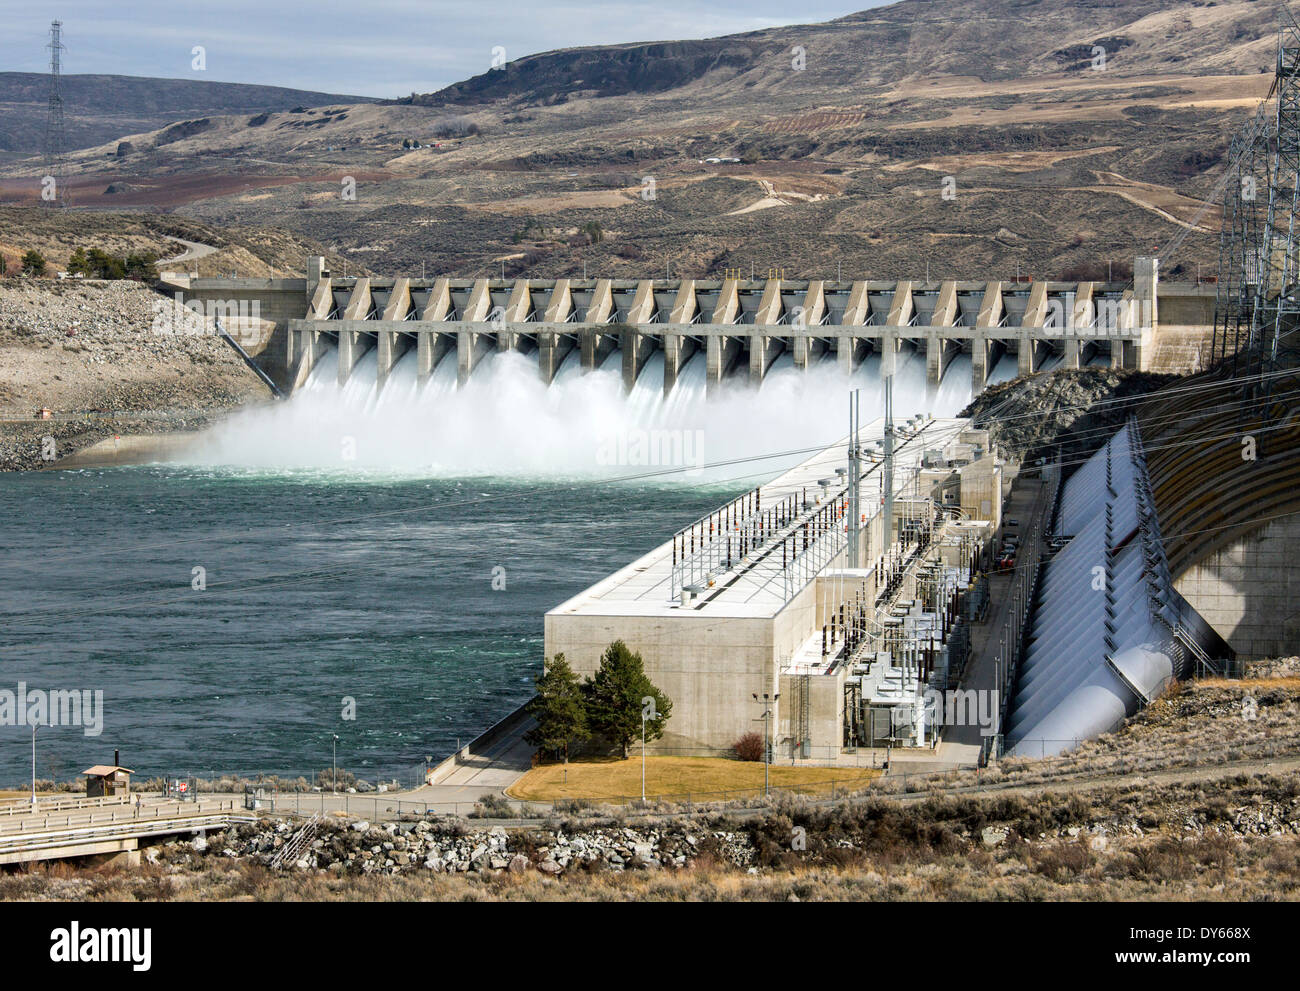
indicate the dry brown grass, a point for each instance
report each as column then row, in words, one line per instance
column 678, row 777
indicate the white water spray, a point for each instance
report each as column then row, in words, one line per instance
column 506, row 421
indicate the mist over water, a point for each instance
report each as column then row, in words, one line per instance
column 506, row 422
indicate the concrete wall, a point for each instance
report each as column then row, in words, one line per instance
column 747, row 326
column 1250, row 591
column 1187, row 304
column 275, row 302
column 709, row 666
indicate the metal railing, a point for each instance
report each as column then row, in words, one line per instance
column 1022, row 595
column 37, row 822
column 288, row 854
column 24, row 843
column 23, row 806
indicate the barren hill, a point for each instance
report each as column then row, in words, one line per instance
column 987, row 40
column 100, row 108
column 1066, row 133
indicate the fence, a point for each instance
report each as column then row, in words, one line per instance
column 380, row 807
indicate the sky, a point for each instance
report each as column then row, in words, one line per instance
column 383, row 48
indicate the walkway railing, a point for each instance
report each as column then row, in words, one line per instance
column 1023, row 593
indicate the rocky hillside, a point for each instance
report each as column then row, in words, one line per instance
column 1070, row 412
column 102, row 107
column 696, row 157
column 106, row 358
column 987, row 40
column 247, row 251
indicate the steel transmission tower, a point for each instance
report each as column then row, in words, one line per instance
column 55, row 143
column 1277, row 309
column 1257, row 314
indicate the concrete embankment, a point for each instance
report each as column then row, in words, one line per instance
column 114, row 364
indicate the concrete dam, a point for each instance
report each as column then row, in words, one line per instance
column 738, row 329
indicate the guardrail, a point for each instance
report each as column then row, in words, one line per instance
column 485, row 739
column 87, row 835
column 36, row 823
column 23, row 806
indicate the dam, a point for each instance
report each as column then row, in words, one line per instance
column 739, row 328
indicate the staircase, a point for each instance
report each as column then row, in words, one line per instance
column 297, row 843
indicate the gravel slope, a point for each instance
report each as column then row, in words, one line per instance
column 106, row 358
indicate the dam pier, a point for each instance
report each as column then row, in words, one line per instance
column 740, row 327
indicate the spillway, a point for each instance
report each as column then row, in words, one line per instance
column 504, row 420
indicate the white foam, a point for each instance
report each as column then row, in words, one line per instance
column 506, row 421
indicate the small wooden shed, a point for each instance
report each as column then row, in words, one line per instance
column 105, row 779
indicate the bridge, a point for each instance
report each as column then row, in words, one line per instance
column 56, row 829
column 740, row 326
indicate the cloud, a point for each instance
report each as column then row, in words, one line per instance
column 374, row 49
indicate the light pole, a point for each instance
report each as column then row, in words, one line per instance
column 643, row 755
column 767, row 738
column 33, row 765
column 335, row 786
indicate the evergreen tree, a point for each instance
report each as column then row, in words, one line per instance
column 34, row 263
column 78, row 263
column 613, row 696
column 141, row 265
column 558, row 709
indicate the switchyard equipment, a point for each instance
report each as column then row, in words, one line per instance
column 775, row 594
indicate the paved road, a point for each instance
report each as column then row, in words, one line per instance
column 194, row 250
column 491, row 772
column 961, row 744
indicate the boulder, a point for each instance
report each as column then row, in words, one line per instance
column 993, row 836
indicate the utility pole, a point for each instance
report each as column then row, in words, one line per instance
column 855, row 478
column 335, row 786
column 33, row 766
column 887, row 478
column 768, row 701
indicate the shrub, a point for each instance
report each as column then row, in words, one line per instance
column 749, row 747
column 493, row 805
column 326, row 778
